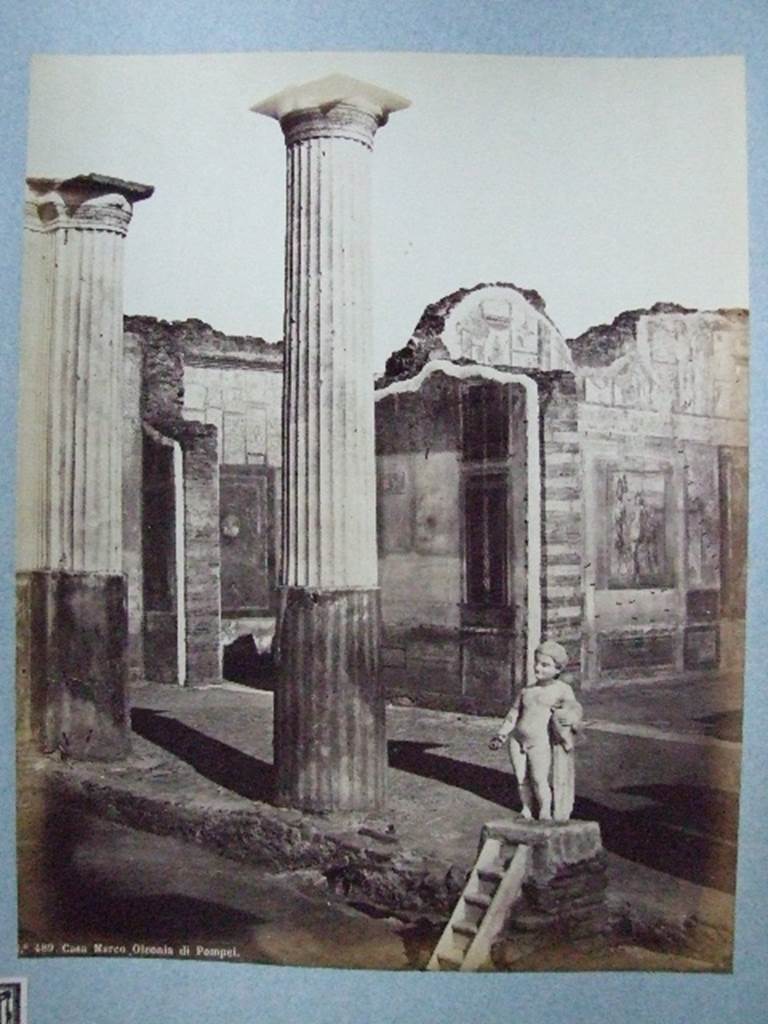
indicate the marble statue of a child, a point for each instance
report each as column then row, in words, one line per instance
column 539, row 728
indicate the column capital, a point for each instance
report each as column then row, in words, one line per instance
column 332, row 107
column 92, row 202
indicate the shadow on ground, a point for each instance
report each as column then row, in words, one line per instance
column 165, row 917
column 67, row 895
column 685, row 831
column 240, row 773
column 664, row 835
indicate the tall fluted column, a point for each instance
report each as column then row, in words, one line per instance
column 330, row 743
column 71, row 590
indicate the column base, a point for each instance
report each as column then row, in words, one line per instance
column 330, row 731
column 71, row 672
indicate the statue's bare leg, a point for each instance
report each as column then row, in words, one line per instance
column 519, row 760
column 539, row 764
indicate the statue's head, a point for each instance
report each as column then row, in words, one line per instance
column 552, row 649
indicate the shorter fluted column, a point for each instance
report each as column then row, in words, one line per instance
column 330, row 746
column 71, row 592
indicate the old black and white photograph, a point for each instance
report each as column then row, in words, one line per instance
column 13, row 1001
column 382, row 510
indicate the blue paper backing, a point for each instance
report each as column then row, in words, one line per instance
column 119, row 992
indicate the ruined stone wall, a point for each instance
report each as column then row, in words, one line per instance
column 662, row 404
column 219, row 398
column 493, row 324
column 643, row 461
column 162, row 372
column 235, row 385
column 243, row 403
column 643, row 528
column 502, row 326
column 443, row 646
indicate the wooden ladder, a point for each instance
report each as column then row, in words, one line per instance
column 494, row 884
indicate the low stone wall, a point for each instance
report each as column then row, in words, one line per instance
column 564, row 905
column 365, row 865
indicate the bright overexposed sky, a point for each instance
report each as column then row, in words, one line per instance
column 604, row 184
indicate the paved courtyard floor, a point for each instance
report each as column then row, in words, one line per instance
column 658, row 768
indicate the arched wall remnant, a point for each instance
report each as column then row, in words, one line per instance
column 499, row 325
column 496, row 325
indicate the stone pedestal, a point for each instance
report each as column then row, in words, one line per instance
column 71, row 589
column 564, row 892
column 329, row 716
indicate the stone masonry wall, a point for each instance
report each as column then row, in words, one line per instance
column 562, row 527
column 202, row 562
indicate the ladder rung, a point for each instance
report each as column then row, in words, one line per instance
column 464, row 928
column 479, row 913
column 489, row 875
column 448, row 962
column 478, row 899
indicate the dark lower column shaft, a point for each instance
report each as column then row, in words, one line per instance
column 71, row 664
column 330, row 736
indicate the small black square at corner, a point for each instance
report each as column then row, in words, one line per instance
column 12, row 1002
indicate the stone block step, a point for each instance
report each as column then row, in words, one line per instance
column 465, row 928
column 478, row 899
column 447, row 963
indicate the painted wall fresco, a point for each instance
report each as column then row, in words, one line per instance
column 244, row 405
column 497, row 326
column 637, row 548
